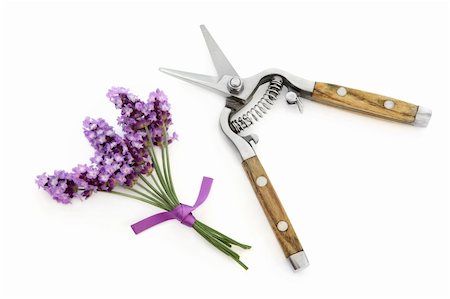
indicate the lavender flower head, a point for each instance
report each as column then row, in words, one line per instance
column 113, row 159
column 137, row 115
column 118, row 160
column 60, row 186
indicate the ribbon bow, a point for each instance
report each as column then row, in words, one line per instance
column 182, row 212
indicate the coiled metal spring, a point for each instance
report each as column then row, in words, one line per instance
column 245, row 120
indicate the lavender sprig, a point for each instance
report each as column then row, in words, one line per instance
column 131, row 161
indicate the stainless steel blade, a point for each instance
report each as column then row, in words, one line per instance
column 216, row 84
column 223, row 66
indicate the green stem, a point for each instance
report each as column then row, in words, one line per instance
column 151, row 187
column 225, row 246
column 164, row 170
column 153, row 192
column 154, row 201
column 164, row 155
column 205, row 234
column 153, row 195
column 130, row 196
column 150, row 192
column 157, row 167
column 169, row 173
column 218, row 245
column 162, row 194
column 228, row 244
column 152, row 153
column 158, row 185
column 224, row 237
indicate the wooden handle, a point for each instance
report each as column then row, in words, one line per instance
column 272, row 207
column 365, row 102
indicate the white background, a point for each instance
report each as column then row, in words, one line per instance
column 368, row 198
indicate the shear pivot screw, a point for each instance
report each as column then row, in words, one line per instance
column 341, row 91
column 235, row 85
column 389, row 104
column 261, row 181
column 282, row 226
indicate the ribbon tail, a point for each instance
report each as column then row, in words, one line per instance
column 153, row 220
column 204, row 191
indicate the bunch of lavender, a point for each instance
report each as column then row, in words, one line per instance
column 129, row 165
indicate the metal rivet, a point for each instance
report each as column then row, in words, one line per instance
column 389, row 104
column 235, row 85
column 261, row 181
column 341, row 91
column 235, row 82
column 282, row 226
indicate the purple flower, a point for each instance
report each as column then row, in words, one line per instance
column 104, row 177
column 137, row 115
column 121, row 178
column 42, row 180
column 119, row 157
column 60, row 186
column 126, row 169
column 162, row 119
column 174, row 136
column 115, row 95
column 112, row 153
column 117, row 160
column 80, row 168
column 92, row 173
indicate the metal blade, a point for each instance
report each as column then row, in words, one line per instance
column 210, row 82
column 223, row 66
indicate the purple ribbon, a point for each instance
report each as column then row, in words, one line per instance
column 182, row 212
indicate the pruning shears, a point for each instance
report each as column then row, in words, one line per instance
column 244, row 107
